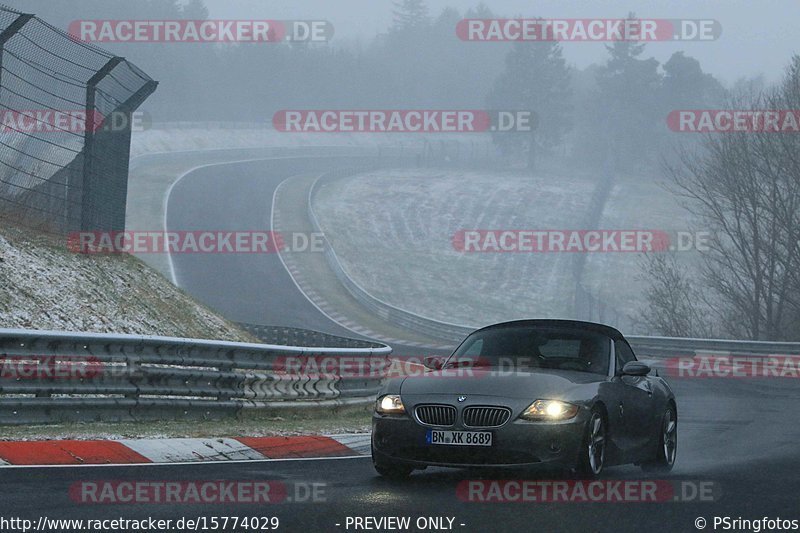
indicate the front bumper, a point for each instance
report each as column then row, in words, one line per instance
column 403, row 440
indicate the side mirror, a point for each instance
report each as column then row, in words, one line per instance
column 433, row 362
column 635, row 368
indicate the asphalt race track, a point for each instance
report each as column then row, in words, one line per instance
column 238, row 196
column 740, row 436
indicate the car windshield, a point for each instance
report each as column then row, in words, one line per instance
column 530, row 348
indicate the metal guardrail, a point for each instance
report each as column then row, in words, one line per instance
column 687, row 347
column 288, row 336
column 48, row 376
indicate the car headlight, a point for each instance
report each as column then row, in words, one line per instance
column 549, row 410
column 391, row 404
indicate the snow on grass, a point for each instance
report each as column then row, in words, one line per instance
column 635, row 202
column 393, row 232
column 44, row 286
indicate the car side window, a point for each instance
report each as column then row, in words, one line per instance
column 476, row 348
column 624, row 354
column 472, row 352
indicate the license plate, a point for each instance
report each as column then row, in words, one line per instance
column 459, row 438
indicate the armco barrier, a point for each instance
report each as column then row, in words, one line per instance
column 687, row 347
column 287, row 336
column 48, row 376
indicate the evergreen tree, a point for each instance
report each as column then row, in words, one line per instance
column 536, row 78
column 628, row 96
column 410, row 15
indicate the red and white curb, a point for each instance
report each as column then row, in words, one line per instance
column 161, row 451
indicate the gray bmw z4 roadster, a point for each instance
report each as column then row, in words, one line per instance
column 524, row 393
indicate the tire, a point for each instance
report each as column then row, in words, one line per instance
column 592, row 454
column 664, row 456
column 391, row 471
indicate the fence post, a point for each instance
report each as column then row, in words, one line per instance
column 118, row 181
column 8, row 33
column 91, row 182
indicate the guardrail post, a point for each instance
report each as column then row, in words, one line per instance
column 133, row 370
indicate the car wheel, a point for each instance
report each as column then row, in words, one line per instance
column 593, row 449
column 391, row 471
column 667, row 451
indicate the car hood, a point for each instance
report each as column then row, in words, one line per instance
column 541, row 384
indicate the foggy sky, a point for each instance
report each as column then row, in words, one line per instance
column 758, row 36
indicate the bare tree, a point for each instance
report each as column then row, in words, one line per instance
column 675, row 303
column 744, row 188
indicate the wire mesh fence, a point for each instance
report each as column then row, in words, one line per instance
column 65, row 115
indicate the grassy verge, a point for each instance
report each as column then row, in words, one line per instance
column 343, row 420
column 44, row 285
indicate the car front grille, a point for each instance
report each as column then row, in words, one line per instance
column 436, row 415
column 486, row 417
